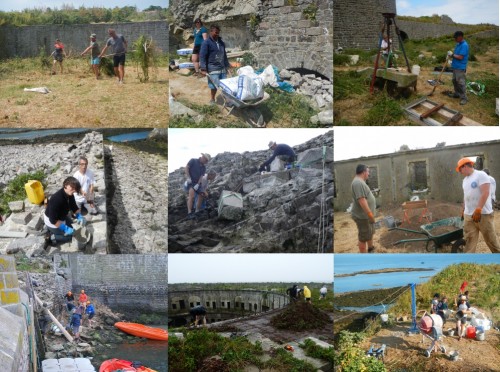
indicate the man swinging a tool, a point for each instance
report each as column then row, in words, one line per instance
column 119, row 46
column 460, row 58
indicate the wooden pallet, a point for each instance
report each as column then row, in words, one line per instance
column 427, row 112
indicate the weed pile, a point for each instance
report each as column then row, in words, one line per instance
column 300, row 316
column 145, row 57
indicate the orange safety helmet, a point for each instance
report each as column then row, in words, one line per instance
column 462, row 162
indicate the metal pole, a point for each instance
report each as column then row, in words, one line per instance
column 414, row 328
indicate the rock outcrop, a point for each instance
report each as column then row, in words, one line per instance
column 284, row 211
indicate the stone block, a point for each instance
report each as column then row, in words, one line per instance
column 315, row 155
column 99, row 235
column 30, row 244
column 277, row 165
column 16, row 206
column 230, row 206
column 36, row 223
column 278, row 3
column 21, row 218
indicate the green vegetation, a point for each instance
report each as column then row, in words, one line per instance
column 145, row 56
column 15, row 189
column 483, row 285
column 349, row 83
column 68, row 15
column 385, row 111
column 318, row 352
column 349, row 357
column 254, row 22
column 25, row 264
column 191, row 353
column 310, row 12
column 341, row 59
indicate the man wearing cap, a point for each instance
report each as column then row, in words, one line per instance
column 460, row 58
column 363, row 209
column 119, row 45
column 282, row 151
column 194, row 172
column 95, row 51
column 478, row 210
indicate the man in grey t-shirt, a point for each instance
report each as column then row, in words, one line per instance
column 119, row 45
column 363, row 209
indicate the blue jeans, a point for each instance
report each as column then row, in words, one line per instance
column 216, row 79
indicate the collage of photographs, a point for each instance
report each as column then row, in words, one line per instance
column 249, row 185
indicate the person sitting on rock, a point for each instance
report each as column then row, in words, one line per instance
column 194, row 172
column 56, row 216
column 85, row 198
column 199, row 313
column 282, row 151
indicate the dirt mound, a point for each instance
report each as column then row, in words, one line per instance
column 300, row 316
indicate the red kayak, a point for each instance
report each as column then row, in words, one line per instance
column 140, row 330
column 121, row 365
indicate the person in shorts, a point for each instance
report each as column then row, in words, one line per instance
column 363, row 209
column 213, row 60
column 95, row 61
column 59, row 55
column 119, row 46
column 200, row 34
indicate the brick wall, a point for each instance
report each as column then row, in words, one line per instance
column 26, row 41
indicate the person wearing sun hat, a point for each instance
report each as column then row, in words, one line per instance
column 95, row 61
column 282, row 151
column 194, row 172
column 478, row 210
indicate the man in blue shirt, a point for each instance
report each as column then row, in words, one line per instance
column 213, row 60
column 460, row 58
column 282, row 151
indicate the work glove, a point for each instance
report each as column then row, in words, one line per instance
column 188, row 181
column 371, row 217
column 476, row 216
column 66, row 229
column 80, row 219
column 196, row 187
column 450, row 53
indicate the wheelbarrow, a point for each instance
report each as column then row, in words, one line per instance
column 436, row 240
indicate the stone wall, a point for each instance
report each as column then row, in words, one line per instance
column 220, row 303
column 26, row 41
column 14, row 338
column 420, row 30
column 357, row 23
column 394, row 175
column 287, row 38
column 137, row 282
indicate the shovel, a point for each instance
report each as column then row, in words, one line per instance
column 437, row 82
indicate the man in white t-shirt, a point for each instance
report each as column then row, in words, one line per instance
column 86, row 178
column 493, row 187
column 478, row 211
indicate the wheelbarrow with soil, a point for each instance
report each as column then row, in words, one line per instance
column 439, row 233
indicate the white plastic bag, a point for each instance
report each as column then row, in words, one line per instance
column 268, row 76
column 249, row 88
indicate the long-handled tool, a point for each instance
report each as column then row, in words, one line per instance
column 437, row 81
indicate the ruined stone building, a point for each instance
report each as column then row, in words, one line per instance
column 289, row 34
column 428, row 173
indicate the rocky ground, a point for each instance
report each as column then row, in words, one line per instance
column 137, row 192
column 281, row 210
column 57, row 161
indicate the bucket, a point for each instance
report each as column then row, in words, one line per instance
column 480, row 336
column 451, row 332
column 470, row 332
column 384, row 317
column 415, row 69
column 34, row 190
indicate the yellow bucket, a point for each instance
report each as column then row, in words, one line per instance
column 34, row 190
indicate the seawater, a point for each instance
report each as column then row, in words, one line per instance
column 127, row 137
column 32, row 134
column 350, row 263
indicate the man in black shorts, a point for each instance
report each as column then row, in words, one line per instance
column 119, row 47
column 199, row 313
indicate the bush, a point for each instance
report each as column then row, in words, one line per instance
column 349, row 357
column 341, row 59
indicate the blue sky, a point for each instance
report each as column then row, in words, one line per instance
column 461, row 11
column 23, row 4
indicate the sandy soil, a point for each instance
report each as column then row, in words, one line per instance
column 77, row 99
column 405, row 351
column 345, row 231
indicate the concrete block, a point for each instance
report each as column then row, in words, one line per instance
column 10, row 333
column 230, row 205
column 16, row 206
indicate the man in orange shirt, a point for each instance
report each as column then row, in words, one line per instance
column 83, row 299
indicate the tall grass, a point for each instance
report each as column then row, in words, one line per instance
column 145, row 56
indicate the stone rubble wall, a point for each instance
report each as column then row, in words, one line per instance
column 58, row 161
column 122, row 281
column 287, row 39
column 26, row 41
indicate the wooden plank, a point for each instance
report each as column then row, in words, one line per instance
column 448, row 115
column 455, row 119
column 429, row 112
column 13, row 234
column 415, row 204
